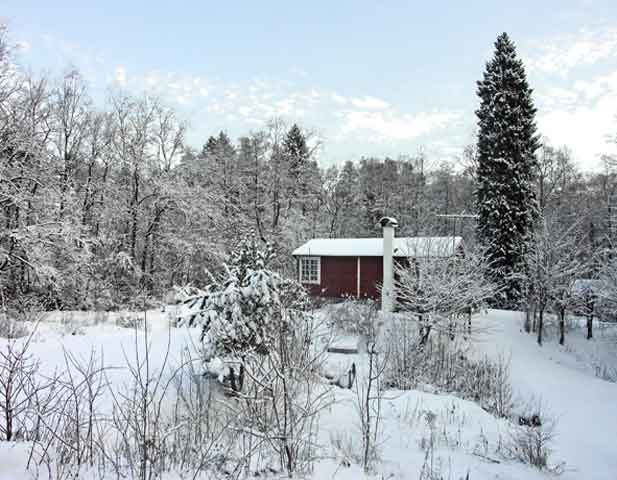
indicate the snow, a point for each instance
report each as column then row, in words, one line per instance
column 583, row 403
column 345, row 343
column 466, row 437
column 373, row 247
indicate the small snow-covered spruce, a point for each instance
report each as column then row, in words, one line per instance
column 253, row 317
column 241, row 311
column 507, row 141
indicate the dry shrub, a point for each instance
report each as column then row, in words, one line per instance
column 531, row 441
column 11, row 328
column 353, row 317
column 447, row 366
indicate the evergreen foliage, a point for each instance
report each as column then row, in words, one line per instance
column 507, row 142
column 103, row 205
column 248, row 306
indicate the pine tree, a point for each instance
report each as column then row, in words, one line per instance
column 221, row 154
column 297, row 155
column 507, row 142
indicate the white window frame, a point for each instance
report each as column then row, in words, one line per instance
column 302, row 271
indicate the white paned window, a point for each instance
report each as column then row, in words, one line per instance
column 310, row 270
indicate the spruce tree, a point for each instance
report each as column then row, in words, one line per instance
column 297, row 155
column 296, row 149
column 222, row 159
column 507, row 141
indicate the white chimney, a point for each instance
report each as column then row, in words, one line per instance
column 388, row 225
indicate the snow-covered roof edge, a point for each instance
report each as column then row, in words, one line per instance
column 373, row 247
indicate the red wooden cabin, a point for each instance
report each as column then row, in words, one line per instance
column 342, row 267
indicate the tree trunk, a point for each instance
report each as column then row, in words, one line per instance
column 534, row 315
column 425, row 331
column 562, row 326
column 144, row 254
column 333, row 222
column 540, row 324
column 590, row 326
column 527, row 325
column 134, row 216
column 469, row 320
column 276, row 211
column 101, row 200
column 88, row 194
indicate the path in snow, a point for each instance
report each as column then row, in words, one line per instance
column 586, row 406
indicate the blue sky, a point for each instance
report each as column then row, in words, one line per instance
column 371, row 78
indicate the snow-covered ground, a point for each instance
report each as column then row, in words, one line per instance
column 564, row 378
column 465, row 439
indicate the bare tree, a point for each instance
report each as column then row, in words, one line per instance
column 441, row 291
column 370, row 388
column 70, row 116
column 552, row 263
column 554, row 172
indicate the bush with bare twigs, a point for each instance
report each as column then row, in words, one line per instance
column 24, row 394
column 164, row 420
column 447, row 366
column 531, row 441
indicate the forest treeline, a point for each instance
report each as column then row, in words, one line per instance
column 107, row 206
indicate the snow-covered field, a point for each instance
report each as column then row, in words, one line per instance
column 565, row 380
column 464, row 438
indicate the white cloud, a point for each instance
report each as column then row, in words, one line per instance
column 584, row 126
column 152, row 80
column 598, row 86
column 558, row 96
column 216, row 107
column 564, row 53
column 245, row 111
column 299, row 72
column 580, row 114
column 23, row 46
column 336, row 98
column 180, row 88
column 120, row 75
column 284, row 106
column 370, row 103
column 387, row 126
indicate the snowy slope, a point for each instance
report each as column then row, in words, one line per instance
column 465, row 438
column 584, row 405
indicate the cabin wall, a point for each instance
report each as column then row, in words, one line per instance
column 371, row 276
column 339, row 277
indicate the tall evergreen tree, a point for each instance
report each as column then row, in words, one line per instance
column 297, row 155
column 507, row 141
column 221, row 155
